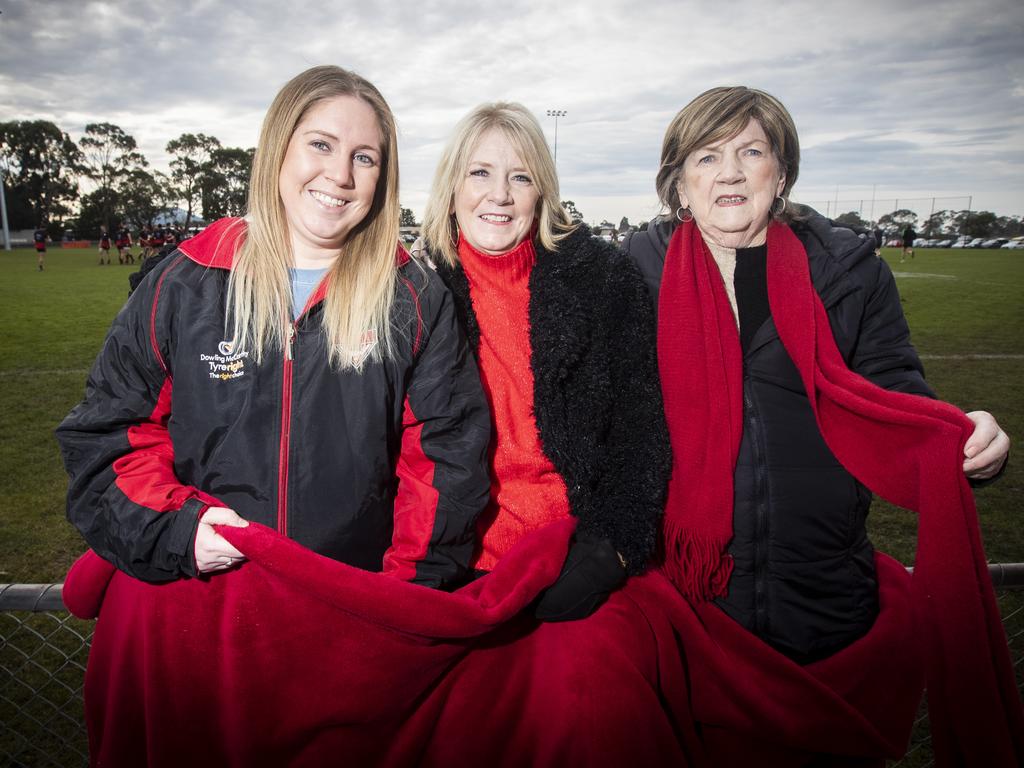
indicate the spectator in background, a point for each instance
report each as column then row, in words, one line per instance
column 879, row 236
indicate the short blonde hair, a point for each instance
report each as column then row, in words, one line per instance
column 717, row 115
column 518, row 125
column 361, row 283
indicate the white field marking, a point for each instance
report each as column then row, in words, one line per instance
column 16, row 372
column 924, row 274
column 971, row 357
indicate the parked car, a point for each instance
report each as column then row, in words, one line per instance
column 944, row 244
column 1015, row 243
column 961, row 242
column 995, row 242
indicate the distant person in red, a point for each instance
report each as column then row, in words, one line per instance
column 104, row 245
column 123, row 241
column 156, row 240
column 144, row 243
column 39, row 236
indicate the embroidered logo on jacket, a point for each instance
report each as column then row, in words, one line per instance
column 225, row 365
column 366, row 344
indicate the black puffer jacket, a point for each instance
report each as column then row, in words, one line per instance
column 804, row 576
column 596, row 396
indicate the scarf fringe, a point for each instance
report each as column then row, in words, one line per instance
column 697, row 566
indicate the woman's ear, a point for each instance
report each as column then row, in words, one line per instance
column 683, row 199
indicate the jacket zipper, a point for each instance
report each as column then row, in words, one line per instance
column 286, row 426
column 760, row 518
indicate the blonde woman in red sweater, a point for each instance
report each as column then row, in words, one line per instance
column 563, row 331
column 562, row 327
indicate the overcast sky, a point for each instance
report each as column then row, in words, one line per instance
column 893, row 100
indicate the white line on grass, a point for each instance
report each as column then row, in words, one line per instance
column 26, row 372
column 971, row 357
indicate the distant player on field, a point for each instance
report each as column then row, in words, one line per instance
column 39, row 237
column 144, row 243
column 908, row 243
column 124, row 245
column 104, row 245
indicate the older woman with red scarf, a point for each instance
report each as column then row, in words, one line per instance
column 791, row 389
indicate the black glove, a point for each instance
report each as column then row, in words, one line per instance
column 592, row 571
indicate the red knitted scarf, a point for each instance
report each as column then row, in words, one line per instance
column 974, row 706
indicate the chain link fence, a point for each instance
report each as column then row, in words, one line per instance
column 872, row 209
column 43, row 652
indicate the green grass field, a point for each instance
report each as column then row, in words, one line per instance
column 964, row 309
column 959, row 303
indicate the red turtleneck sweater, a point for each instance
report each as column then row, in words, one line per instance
column 526, row 490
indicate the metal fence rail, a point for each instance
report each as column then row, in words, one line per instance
column 43, row 652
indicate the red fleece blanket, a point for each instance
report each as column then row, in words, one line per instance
column 295, row 659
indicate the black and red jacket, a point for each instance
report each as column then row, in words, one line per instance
column 384, row 469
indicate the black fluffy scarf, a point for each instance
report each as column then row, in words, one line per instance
column 597, row 400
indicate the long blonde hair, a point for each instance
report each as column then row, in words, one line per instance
column 518, row 125
column 361, row 282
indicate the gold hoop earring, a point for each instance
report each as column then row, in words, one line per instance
column 453, row 231
column 688, row 216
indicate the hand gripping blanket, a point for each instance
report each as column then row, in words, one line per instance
column 743, row 689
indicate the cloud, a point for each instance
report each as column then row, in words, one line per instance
column 905, row 98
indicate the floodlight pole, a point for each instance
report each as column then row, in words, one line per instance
column 556, row 113
column 3, row 208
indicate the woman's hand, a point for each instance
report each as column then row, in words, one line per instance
column 213, row 552
column 591, row 572
column 987, row 447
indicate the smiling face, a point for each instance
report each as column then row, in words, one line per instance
column 328, row 178
column 496, row 202
column 730, row 188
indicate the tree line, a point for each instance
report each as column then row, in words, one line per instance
column 44, row 169
column 944, row 223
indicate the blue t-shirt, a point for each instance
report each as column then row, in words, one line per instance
column 304, row 281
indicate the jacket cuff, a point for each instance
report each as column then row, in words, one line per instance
column 181, row 536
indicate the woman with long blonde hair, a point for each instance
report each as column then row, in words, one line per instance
column 293, row 369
